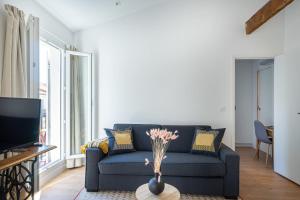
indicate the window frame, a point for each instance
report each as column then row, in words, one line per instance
column 68, row 53
column 62, row 102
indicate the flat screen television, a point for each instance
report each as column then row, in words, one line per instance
column 19, row 122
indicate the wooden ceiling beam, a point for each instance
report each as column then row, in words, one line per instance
column 270, row 9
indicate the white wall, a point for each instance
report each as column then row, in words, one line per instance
column 174, row 63
column 244, row 102
column 292, row 29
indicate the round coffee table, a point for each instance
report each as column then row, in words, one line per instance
column 170, row 193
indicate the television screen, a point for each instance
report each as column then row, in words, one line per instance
column 19, row 122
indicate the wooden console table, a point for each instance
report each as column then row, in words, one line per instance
column 15, row 177
column 270, row 131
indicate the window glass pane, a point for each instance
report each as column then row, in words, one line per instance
column 80, row 105
column 50, row 94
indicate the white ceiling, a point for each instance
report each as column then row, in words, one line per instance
column 82, row 14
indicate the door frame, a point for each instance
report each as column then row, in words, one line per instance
column 233, row 92
column 258, row 88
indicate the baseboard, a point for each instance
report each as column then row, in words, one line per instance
column 51, row 172
column 243, row 144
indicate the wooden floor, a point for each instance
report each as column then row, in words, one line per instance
column 257, row 182
column 64, row 187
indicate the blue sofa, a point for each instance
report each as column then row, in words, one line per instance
column 190, row 173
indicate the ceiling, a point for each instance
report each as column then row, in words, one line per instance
column 82, row 14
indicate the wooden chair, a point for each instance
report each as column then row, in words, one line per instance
column 262, row 136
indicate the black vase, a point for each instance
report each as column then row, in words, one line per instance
column 156, row 187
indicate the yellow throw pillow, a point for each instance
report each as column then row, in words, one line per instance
column 120, row 141
column 207, row 141
column 101, row 144
column 204, row 141
column 123, row 139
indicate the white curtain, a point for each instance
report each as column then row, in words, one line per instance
column 77, row 109
column 13, row 75
column 75, row 104
column 14, row 71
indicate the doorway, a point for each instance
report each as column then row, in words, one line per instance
column 254, row 99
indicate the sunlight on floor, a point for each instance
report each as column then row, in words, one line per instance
column 64, row 187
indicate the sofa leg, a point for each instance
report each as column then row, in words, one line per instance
column 231, row 197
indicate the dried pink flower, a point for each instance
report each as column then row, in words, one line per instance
column 160, row 142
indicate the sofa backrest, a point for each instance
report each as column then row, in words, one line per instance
column 182, row 144
column 141, row 141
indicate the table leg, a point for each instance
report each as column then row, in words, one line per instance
column 32, row 177
column 257, row 148
column 15, row 180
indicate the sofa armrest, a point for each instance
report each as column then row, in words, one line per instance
column 232, row 176
column 93, row 156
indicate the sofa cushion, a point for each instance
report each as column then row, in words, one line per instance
column 141, row 141
column 186, row 134
column 176, row 164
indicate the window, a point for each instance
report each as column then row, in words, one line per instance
column 78, row 102
column 50, row 88
column 65, row 89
